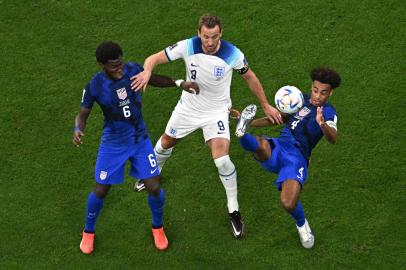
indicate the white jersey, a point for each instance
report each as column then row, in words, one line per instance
column 212, row 73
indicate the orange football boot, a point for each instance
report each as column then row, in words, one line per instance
column 161, row 242
column 86, row 245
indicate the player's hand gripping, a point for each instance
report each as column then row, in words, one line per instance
column 273, row 114
column 140, row 80
column 235, row 114
column 190, row 87
column 319, row 117
column 77, row 137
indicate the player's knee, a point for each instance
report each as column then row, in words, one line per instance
column 101, row 191
column 165, row 143
column 224, row 165
column 264, row 149
column 152, row 186
column 288, row 203
column 162, row 149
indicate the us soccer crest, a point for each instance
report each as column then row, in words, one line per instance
column 219, row 72
column 304, row 111
column 121, row 93
column 103, row 175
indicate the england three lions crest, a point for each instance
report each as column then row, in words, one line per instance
column 121, row 93
column 219, row 72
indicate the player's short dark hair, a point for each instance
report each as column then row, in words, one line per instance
column 108, row 50
column 210, row 21
column 326, row 75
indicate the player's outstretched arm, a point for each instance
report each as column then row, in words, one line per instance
column 163, row 81
column 141, row 79
column 329, row 132
column 256, row 88
column 260, row 122
column 80, row 125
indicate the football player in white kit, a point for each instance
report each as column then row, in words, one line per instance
column 209, row 62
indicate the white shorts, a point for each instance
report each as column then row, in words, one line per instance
column 214, row 125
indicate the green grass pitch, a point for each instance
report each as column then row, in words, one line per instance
column 356, row 189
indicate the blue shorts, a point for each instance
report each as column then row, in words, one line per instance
column 287, row 161
column 111, row 160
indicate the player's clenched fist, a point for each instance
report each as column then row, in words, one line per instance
column 190, row 87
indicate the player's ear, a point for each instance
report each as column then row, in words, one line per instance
column 331, row 92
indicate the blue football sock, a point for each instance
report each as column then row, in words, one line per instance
column 298, row 214
column 156, row 203
column 94, row 205
column 249, row 142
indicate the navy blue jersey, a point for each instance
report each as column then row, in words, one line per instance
column 302, row 129
column 121, row 106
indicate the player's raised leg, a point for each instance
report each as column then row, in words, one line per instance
column 94, row 206
column 290, row 201
column 163, row 150
column 258, row 145
column 246, row 117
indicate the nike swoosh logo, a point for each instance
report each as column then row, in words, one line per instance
column 194, row 65
column 152, row 171
column 221, row 132
column 236, row 232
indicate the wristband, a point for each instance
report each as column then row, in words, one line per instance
column 75, row 129
column 179, row 82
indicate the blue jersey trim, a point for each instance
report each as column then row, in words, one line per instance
column 228, row 52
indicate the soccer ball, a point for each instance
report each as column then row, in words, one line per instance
column 289, row 99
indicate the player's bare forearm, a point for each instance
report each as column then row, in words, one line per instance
column 256, row 88
column 261, row 122
column 80, row 125
column 329, row 132
column 141, row 80
column 81, row 118
column 161, row 81
column 156, row 59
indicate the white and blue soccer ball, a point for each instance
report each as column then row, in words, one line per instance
column 289, row 99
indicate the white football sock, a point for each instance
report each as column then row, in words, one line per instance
column 161, row 154
column 228, row 176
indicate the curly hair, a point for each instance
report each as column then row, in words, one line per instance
column 326, row 75
column 108, row 50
